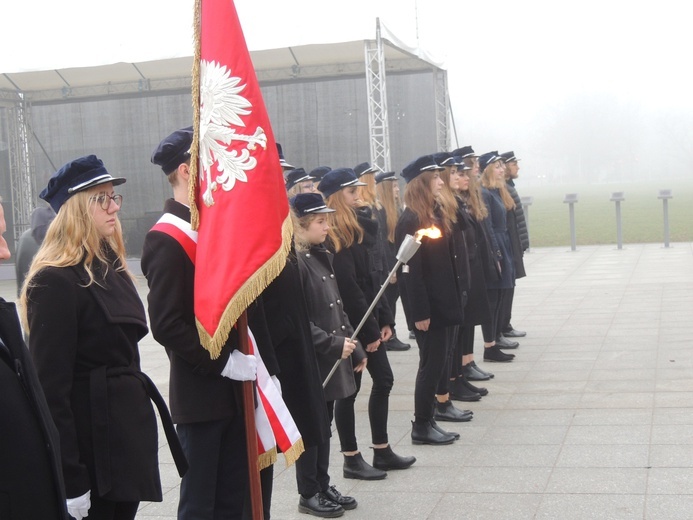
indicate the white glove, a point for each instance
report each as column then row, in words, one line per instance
column 79, row 507
column 240, row 367
column 277, row 383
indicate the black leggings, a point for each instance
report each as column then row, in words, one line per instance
column 433, row 350
column 495, row 303
column 378, row 404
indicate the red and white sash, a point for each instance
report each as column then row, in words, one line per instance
column 274, row 425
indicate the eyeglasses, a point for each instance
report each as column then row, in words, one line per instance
column 104, row 200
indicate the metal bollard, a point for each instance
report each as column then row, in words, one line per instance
column 571, row 199
column 526, row 203
column 665, row 195
column 618, row 197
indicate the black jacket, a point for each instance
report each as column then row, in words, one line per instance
column 328, row 322
column 31, row 479
column 359, row 283
column 517, row 229
column 83, row 339
column 430, row 287
column 522, row 229
column 289, row 327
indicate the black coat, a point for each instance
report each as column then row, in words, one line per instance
column 289, row 327
column 197, row 392
column 31, row 478
column 430, row 287
column 476, row 311
column 497, row 228
column 328, row 322
column 517, row 228
column 359, row 283
column 83, row 339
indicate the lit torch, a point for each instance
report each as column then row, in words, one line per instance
column 410, row 245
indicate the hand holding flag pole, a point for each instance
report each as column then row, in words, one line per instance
column 410, row 245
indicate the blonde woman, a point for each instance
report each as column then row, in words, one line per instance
column 298, row 181
column 85, row 319
column 351, row 236
column 498, row 202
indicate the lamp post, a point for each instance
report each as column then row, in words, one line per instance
column 571, row 199
column 665, row 195
column 618, row 197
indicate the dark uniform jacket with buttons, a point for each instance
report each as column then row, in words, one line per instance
column 430, row 287
column 359, row 284
column 329, row 323
column 31, row 475
column 517, row 229
column 497, row 227
column 290, row 330
column 83, row 339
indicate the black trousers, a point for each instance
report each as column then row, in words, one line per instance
column 378, row 403
column 433, row 352
column 312, row 466
column 451, row 363
column 392, row 295
column 102, row 509
column 216, row 484
column 507, row 309
column 495, row 302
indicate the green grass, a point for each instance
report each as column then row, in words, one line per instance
column 595, row 215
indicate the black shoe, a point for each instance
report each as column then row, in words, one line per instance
column 497, row 355
column 502, row 342
column 437, row 428
column 460, row 392
column 473, row 374
column 319, row 505
column 412, row 335
column 447, row 412
column 386, row 459
column 462, row 381
column 356, row 467
column 479, row 369
column 512, row 333
column 394, row 343
column 425, row 433
column 348, row 503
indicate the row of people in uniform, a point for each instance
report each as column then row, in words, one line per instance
column 85, row 319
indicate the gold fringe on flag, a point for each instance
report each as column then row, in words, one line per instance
column 265, row 460
column 246, row 294
column 195, row 147
column 293, row 453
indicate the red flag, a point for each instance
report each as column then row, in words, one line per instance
column 244, row 226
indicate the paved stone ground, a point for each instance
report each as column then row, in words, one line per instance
column 592, row 420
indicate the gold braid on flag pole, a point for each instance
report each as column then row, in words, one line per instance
column 246, row 294
column 195, row 147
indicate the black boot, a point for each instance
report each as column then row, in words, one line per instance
column 447, row 412
column 460, row 392
column 356, row 467
column 424, row 433
column 473, row 374
column 495, row 354
column 461, row 382
column 505, row 343
column 395, row 344
column 348, row 503
column 386, row 459
column 437, row 427
column 479, row 369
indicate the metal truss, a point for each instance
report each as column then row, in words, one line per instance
column 379, row 133
column 21, row 166
column 442, row 110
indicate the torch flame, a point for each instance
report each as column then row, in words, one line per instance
column 432, row 232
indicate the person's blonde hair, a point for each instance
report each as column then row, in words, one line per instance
column 489, row 180
column 72, row 239
column 447, row 198
column 367, row 193
column 473, row 198
column 385, row 191
column 419, row 198
column 344, row 225
column 302, row 223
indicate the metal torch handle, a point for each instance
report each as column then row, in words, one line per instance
column 365, row 317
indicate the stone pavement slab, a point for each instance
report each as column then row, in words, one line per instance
column 594, row 419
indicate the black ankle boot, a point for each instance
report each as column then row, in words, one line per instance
column 386, row 459
column 459, row 391
column 424, row 433
column 462, row 381
column 356, row 467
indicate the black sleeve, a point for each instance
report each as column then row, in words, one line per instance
column 413, row 279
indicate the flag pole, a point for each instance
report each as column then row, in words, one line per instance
column 250, row 431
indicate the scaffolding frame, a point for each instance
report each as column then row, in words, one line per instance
column 442, row 101
column 378, row 127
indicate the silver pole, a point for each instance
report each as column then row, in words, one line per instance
column 619, row 231
column 666, row 222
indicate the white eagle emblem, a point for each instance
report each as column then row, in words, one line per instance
column 221, row 108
